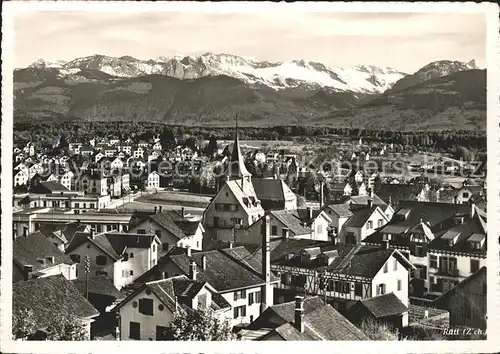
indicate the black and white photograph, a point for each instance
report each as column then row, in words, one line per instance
column 226, row 172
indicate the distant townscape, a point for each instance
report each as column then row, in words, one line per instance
column 122, row 232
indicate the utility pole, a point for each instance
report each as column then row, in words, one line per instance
column 87, row 271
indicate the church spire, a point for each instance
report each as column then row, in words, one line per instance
column 236, row 168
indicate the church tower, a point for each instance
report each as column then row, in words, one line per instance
column 236, row 168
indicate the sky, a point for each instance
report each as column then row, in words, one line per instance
column 405, row 41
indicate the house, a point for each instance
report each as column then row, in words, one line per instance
column 157, row 146
column 99, row 156
column 365, row 219
column 445, row 242
column 127, row 149
column 109, row 151
column 343, row 274
column 52, row 297
column 386, row 308
column 36, row 256
column 21, row 177
column 274, row 194
column 91, row 182
column 153, row 155
column 284, row 224
column 173, row 228
column 304, row 319
column 317, row 220
column 466, row 302
column 121, row 257
column 86, row 150
column 236, row 205
column 339, row 213
column 75, row 147
column 241, row 277
column 139, row 152
column 147, row 312
column 464, row 194
column 153, row 180
column 67, row 179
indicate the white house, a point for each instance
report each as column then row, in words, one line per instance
column 147, row 312
column 364, row 221
column 21, row 177
column 153, row 180
column 117, row 256
column 67, row 179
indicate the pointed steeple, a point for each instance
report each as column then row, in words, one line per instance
column 236, row 168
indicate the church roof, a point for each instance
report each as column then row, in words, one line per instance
column 236, row 167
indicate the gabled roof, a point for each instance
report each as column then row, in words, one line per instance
column 32, row 249
column 291, row 220
column 121, row 241
column 379, row 306
column 363, row 200
column 49, row 187
column 361, row 215
column 321, row 322
column 227, row 269
column 49, row 297
column 272, row 189
column 98, row 285
column 342, row 210
column 99, row 240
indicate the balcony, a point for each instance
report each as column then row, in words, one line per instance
column 451, row 272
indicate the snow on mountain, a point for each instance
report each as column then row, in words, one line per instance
column 42, row 64
column 276, row 75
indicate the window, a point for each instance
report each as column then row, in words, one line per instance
column 286, row 279
column 434, row 262
column 369, row 225
column 395, row 264
column 100, row 260
column 243, row 294
column 240, row 311
column 161, row 332
column 419, row 251
column 250, row 299
column 135, row 330
column 420, row 272
column 380, row 222
column 350, row 238
column 146, row 306
column 154, row 248
column 465, row 194
column 386, row 267
column 474, row 265
column 92, row 205
column 381, row 289
column 75, row 258
column 400, row 284
column 342, row 287
column 125, row 257
column 274, row 230
column 131, row 272
column 358, row 289
column 131, row 255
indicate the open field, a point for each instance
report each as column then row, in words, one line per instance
column 177, row 198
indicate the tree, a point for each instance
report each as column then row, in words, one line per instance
column 378, row 331
column 23, row 323
column 211, row 148
column 198, row 325
column 167, row 137
column 66, row 328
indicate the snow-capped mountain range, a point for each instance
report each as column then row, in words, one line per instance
column 276, row 75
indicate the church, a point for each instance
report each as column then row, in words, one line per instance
column 238, row 204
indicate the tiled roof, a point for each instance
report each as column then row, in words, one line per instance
column 363, row 199
column 49, row 187
column 165, row 221
column 360, row 216
column 321, row 322
column 100, row 241
column 227, row 269
column 98, row 285
column 342, row 210
column 291, row 220
column 120, row 241
column 49, row 297
column 269, row 189
column 244, row 190
column 32, row 249
column 382, row 305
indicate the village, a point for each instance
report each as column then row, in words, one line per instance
column 126, row 236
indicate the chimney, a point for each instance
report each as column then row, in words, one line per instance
column 267, row 295
column 160, row 208
column 182, row 213
column 28, row 269
column 370, row 202
column 188, row 251
column 472, row 210
column 156, row 209
column 231, row 243
column 286, row 232
column 310, row 212
column 192, row 271
column 299, row 313
column 92, row 234
column 164, row 275
column 204, row 262
column 385, row 244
